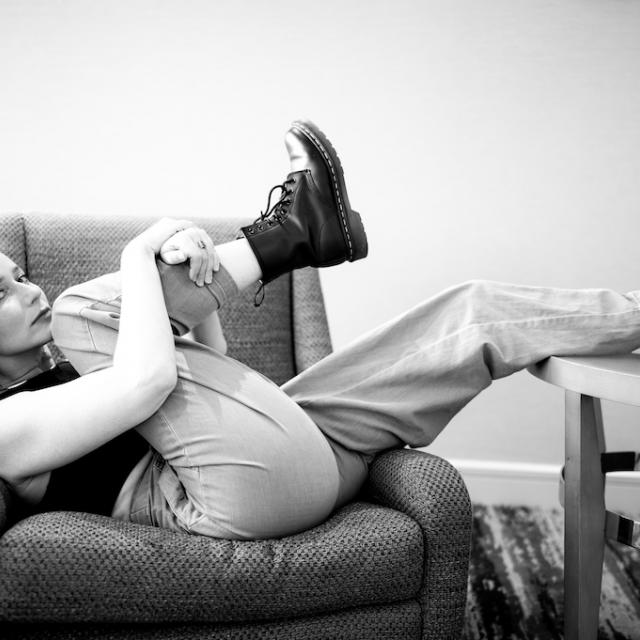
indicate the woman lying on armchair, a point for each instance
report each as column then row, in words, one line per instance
column 229, row 454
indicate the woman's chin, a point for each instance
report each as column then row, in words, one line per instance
column 44, row 337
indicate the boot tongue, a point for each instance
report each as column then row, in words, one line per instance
column 295, row 174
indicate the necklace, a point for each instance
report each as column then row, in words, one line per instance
column 15, row 385
column 4, row 389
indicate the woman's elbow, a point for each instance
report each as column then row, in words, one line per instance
column 149, row 390
column 164, row 383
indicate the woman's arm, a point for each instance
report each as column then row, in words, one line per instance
column 42, row 430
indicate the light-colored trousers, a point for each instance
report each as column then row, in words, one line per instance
column 235, row 456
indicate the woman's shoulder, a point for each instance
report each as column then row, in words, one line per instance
column 16, row 407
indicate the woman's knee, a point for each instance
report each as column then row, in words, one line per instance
column 481, row 303
column 474, row 298
column 477, row 286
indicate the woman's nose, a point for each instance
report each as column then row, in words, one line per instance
column 33, row 292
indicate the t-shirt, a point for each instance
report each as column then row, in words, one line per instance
column 92, row 482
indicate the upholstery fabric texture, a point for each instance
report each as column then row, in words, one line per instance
column 392, row 564
column 365, row 554
column 398, row 480
column 12, row 239
column 5, row 505
column 387, row 622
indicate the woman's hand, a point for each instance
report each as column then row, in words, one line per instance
column 158, row 233
column 179, row 240
column 195, row 245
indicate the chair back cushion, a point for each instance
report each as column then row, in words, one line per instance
column 12, row 241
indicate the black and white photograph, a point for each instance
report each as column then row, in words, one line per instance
column 320, row 320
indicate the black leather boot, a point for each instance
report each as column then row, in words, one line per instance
column 312, row 224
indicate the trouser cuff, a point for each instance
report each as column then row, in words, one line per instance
column 187, row 304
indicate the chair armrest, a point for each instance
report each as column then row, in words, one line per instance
column 431, row 491
column 5, row 504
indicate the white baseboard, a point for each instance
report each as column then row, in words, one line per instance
column 512, row 483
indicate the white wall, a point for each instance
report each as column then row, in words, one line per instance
column 481, row 139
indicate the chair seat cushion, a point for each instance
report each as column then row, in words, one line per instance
column 66, row 567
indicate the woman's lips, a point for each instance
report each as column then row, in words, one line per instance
column 45, row 312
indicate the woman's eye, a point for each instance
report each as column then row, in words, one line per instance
column 23, row 278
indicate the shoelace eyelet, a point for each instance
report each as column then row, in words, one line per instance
column 278, row 212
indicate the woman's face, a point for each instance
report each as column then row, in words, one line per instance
column 25, row 314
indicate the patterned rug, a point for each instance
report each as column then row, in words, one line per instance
column 515, row 587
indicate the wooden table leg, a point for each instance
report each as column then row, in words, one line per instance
column 584, row 516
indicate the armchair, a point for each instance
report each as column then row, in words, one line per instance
column 392, row 564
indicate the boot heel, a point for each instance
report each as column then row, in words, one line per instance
column 360, row 246
column 352, row 226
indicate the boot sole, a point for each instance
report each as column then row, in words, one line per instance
column 350, row 220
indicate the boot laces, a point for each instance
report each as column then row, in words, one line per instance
column 276, row 213
column 258, row 298
column 269, row 217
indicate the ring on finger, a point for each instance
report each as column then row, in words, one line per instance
column 202, row 244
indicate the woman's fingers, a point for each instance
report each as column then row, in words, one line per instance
column 204, row 260
column 159, row 232
column 173, row 256
column 196, row 259
column 213, row 262
column 195, row 245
